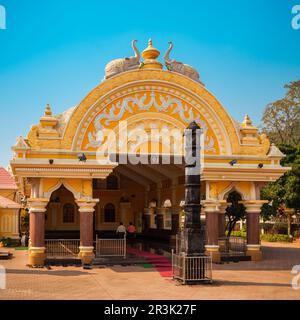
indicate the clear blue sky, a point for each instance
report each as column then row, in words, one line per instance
column 55, row 51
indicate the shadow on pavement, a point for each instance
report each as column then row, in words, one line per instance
column 63, row 273
column 219, row 283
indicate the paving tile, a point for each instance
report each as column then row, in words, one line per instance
column 269, row 279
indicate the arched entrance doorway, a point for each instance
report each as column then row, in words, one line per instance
column 62, row 220
column 235, row 213
column 232, row 242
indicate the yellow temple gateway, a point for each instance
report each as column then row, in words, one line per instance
column 71, row 188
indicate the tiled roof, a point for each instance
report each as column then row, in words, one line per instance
column 6, row 180
column 6, row 203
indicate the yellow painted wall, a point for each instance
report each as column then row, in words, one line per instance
column 82, row 186
column 9, row 218
column 9, row 223
column 216, row 188
column 130, row 190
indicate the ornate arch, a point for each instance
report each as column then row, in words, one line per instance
column 233, row 187
column 149, row 104
column 144, row 91
column 59, row 184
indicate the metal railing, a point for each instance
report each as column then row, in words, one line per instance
column 111, row 247
column 296, row 220
column 228, row 246
column 178, row 243
column 284, row 220
column 188, row 269
column 233, row 245
column 62, row 248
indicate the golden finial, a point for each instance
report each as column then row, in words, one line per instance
column 150, row 54
column 249, row 133
column 247, row 121
column 48, row 125
column 48, row 111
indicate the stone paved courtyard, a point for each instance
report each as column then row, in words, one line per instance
column 269, row 279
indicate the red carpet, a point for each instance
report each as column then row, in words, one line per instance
column 161, row 263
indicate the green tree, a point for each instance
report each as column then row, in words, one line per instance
column 235, row 212
column 285, row 192
column 281, row 119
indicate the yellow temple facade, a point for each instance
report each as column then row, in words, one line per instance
column 71, row 186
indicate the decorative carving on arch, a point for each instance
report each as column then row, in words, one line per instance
column 138, row 82
column 62, row 182
column 233, row 187
column 160, row 100
column 166, row 137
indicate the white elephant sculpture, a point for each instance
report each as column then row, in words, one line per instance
column 120, row 65
column 180, row 67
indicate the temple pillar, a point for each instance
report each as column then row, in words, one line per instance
column 175, row 210
column 36, row 252
column 126, row 213
column 253, row 209
column 153, row 222
column 86, row 210
column 175, row 221
column 223, row 204
column 222, row 223
column 212, row 212
column 147, row 219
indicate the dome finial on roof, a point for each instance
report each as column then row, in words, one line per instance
column 150, row 54
column 249, row 133
column 48, row 111
column 48, row 124
column 247, row 121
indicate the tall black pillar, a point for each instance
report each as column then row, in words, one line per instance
column 192, row 237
